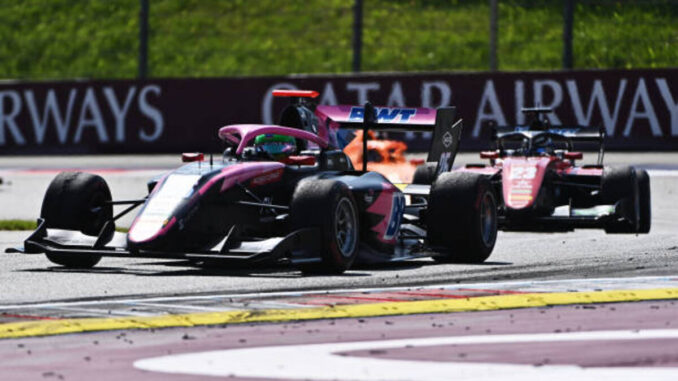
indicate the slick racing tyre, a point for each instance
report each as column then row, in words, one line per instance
column 77, row 201
column 425, row 174
column 645, row 203
column 329, row 206
column 462, row 218
column 632, row 188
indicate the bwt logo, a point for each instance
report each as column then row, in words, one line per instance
column 397, row 209
column 384, row 114
column 567, row 132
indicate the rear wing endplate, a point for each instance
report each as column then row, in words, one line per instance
column 445, row 142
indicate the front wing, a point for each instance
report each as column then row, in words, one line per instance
column 566, row 218
column 297, row 247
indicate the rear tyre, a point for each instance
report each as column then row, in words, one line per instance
column 77, row 201
column 462, row 218
column 425, row 174
column 329, row 206
column 621, row 184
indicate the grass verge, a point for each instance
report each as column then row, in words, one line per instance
column 15, row 225
column 57, row 39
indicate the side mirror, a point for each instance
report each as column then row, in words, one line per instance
column 573, row 155
column 300, row 160
column 188, row 157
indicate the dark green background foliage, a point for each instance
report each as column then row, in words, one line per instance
column 48, row 39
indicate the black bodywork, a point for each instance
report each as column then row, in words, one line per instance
column 247, row 222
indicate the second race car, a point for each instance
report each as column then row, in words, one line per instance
column 541, row 188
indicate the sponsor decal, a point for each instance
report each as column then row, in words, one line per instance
column 523, row 172
column 267, row 178
column 384, row 114
column 520, row 197
column 397, row 209
column 637, row 108
column 369, row 196
column 68, row 114
column 522, row 184
column 444, row 163
column 447, row 139
column 159, row 208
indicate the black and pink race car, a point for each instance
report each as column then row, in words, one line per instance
column 533, row 170
column 282, row 193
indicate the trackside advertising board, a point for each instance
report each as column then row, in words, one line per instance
column 638, row 108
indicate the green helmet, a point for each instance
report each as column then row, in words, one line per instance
column 276, row 146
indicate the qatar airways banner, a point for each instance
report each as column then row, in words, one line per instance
column 638, row 108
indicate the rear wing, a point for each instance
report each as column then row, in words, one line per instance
column 380, row 118
column 573, row 133
column 441, row 121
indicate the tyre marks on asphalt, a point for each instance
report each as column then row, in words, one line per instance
column 219, row 303
column 4, row 316
column 483, row 303
column 384, row 296
column 152, row 306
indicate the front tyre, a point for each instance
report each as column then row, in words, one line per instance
column 77, row 201
column 462, row 218
column 630, row 186
column 329, row 206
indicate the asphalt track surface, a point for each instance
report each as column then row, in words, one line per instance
column 584, row 253
column 633, row 339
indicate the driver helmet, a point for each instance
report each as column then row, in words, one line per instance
column 277, row 147
column 546, row 148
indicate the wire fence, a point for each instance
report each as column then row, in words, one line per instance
column 203, row 38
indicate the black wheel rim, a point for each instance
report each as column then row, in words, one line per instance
column 488, row 219
column 98, row 215
column 345, row 227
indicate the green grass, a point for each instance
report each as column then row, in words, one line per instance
column 18, row 225
column 13, row 225
column 52, row 39
column 627, row 36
